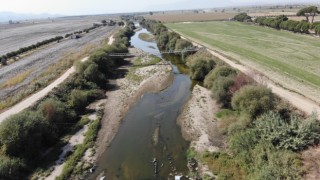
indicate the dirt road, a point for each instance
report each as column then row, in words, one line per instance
column 37, row 96
column 304, row 104
column 42, row 93
column 40, row 60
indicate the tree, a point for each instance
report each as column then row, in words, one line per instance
column 25, row 134
column 224, row 71
column 220, row 90
column 151, row 13
column 182, row 44
column 254, row 100
column 79, row 99
column 307, row 12
column 242, row 17
column 200, row 68
column 3, row 61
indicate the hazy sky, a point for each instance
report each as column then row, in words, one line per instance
column 76, row 7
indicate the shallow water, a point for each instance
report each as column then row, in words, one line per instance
column 149, row 131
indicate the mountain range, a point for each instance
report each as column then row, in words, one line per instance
column 6, row 16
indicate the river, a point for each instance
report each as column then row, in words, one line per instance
column 149, row 131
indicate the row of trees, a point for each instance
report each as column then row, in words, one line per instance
column 22, row 50
column 166, row 40
column 28, row 48
column 27, row 135
column 282, row 21
column 264, row 134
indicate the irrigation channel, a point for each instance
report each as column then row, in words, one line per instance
column 132, row 155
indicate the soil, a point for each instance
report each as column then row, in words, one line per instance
column 125, row 93
column 40, row 60
column 197, row 121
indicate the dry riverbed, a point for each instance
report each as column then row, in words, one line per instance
column 139, row 79
column 198, row 121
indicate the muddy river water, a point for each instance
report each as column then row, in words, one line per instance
column 149, row 144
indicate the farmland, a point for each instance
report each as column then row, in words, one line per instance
column 183, row 17
column 15, row 36
column 46, row 57
column 289, row 59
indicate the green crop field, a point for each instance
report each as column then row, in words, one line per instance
column 294, row 55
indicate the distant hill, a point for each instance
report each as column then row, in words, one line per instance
column 6, row 16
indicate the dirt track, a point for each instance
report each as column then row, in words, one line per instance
column 15, row 36
column 297, row 100
column 42, row 59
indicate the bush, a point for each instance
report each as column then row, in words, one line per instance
column 242, row 17
column 200, row 68
column 53, row 110
column 104, row 63
column 220, row 71
column 220, row 90
column 182, row 44
column 294, row 134
column 253, row 100
column 93, row 74
column 239, row 81
column 11, row 168
column 25, row 134
column 79, row 99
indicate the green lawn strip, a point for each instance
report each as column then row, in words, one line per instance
column 259, row 52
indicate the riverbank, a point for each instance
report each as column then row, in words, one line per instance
column 139, row 79
column 198, row 124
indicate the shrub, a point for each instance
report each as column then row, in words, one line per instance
column 239, row 81
column 25, row 134
column 93, row 74
column 11, row 168
column 79, row 99
column 242, row 17
column 220, row 90
column 254, row 100
column 182, row 44
column 294, row 134
column 53, row 110
column 200, row 68
column 3, row 61
column 223, row 71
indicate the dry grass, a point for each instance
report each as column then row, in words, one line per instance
column 16, row 79
column 187, row 17
column 47, row 76
column 297, row 18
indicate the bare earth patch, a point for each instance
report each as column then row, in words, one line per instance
column 149, row 79
column 197, row 121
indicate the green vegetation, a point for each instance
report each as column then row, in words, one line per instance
column 264, row 135
column 31, row 47
column 16, row 79
column 282, row 22
column 73, row 160
column 165, row 40
column 308, row 11
column 242, row 17
column 253, row 100
column 146, row 37
column 286, row 53
column 24, row 137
